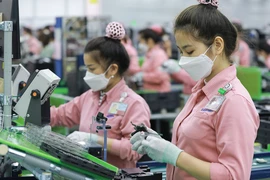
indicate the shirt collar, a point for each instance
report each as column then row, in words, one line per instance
column 114, row 93
column 219, row 81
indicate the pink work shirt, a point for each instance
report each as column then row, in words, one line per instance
column 153, row 77
column 34, row 45
column 134, row 60
column 242, row 55
column 224, row 138
column 267, row 62
column 184, row 78
column 81, row 109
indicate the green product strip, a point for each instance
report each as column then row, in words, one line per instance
column 33, row 150
column 102, row 163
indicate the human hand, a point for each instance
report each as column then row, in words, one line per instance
column 170, row 66
column 160, row 150
column 136, row 139
column 79, row 137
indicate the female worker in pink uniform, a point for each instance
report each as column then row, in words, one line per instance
column 106, row 60
column 213, row 136
column 241, row 55
column 151, row 74
column 179, row 75
column 263, row 52
column 133, row 55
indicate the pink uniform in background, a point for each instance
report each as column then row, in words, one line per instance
column 267, row 62
column 226, row 137
column 183, row 77
column 80, row 111
column 34, row 45
column 242, row 54
column 134, row 60
column 153, row 77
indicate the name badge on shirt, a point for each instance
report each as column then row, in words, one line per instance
column 118, row 108
column 215, row 103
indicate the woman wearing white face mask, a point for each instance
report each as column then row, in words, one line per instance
column 151, row 75
column 107, row 61
column 213, row 136
column 263, row 52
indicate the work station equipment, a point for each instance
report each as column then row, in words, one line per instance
column 9, row 49
column 20, row 77
column 38, row 89
column 45, row 152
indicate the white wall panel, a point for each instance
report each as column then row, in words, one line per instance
column 253, row 13
column 50, row 8
column 76, row 7
column 26, row 8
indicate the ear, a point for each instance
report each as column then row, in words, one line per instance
column 113, row 70
column 218, row 45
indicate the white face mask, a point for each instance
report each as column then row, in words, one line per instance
column 261, row 58
column 143, row 48
column 96, row 82
column 197, row 67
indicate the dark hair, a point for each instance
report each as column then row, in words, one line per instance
column 107, row 51
column 205, row 22
column 150, row 34
column 238, row 27
column 264, row 46
column 45, row 37
column 27, row 30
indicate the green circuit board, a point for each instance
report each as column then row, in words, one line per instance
column 17, row 141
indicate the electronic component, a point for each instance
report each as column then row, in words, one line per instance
column 141, row 173
column 142, row 128
column 139, row 128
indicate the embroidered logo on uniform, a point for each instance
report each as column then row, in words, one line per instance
column 110, row 115
column 206, row 110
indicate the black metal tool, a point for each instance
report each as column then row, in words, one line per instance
column 139, row 128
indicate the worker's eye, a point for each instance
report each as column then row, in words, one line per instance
column 190, row 52
column 91, row 69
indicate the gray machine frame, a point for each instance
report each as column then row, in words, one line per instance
column 7, row 28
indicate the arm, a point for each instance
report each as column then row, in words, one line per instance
column 245, row 55
column 235, row 135
column 67, row 114
column 195, row 167
column 134, row 62
column 137, row 113
column 183, row 77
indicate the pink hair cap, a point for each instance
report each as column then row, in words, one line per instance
column 156, row 28
column 115, row 30
column 212, row 2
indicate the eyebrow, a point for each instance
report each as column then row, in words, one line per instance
column 90, row 65
column 186, row 46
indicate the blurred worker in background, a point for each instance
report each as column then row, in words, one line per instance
column 33, row 44
column 47, row 39
column 106, row 60
column 242, row 53
column 133, row 55
column 179, row 75
column 263, row 52
column 151, row 75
